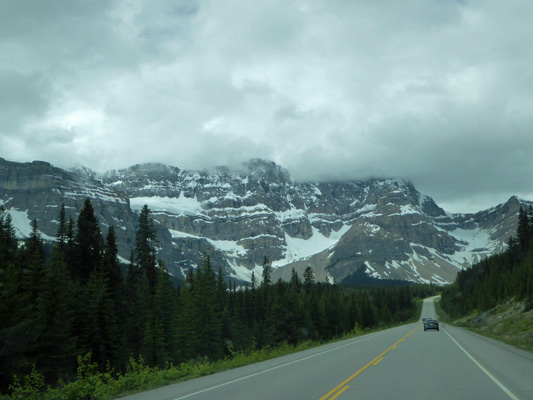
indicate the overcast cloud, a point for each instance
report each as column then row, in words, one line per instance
column 439, row 92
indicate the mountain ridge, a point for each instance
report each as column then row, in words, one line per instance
column 239, row 215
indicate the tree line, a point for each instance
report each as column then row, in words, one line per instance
column 504, row 276
column 75, row 299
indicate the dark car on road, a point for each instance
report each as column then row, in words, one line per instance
column 431, row 324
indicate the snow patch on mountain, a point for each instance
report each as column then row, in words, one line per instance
column 21, row 222
column 181, row 205
column 475, row 245
column 298, row 249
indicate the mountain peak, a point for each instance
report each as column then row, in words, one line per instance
column 266, row 168
column 238, row 215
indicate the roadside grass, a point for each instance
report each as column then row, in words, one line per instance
column 92, row 384
column 507, row 322
column 96, row 385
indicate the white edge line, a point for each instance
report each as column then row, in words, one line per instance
column 496, row 381
column 277, row 367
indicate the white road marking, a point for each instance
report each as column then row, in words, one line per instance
column 492, row 377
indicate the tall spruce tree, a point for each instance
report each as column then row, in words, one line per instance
column 8, row 239
column 160, row 340
column 523, row 231
column 207, row 321
column 145, row 247
column 100, row 333
column 15, row 308
column 138, row 299
column 55, row 341
column 309, row 278
column 267, row 272
column 111, row 268
column 88, row 247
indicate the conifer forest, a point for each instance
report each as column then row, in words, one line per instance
column 501, row 277
column 71, row 297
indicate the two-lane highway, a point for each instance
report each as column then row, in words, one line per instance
column 398, row 363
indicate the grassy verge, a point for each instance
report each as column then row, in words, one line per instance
column 507, row 322
column 95, row 385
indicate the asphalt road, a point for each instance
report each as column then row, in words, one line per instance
column 398, row 363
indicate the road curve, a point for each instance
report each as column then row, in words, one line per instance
column 399, row 363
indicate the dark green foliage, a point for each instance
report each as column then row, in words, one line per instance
column 8, row 240
column 145, row 247
column 159, row 346
column 267, row 272
column 54, row 322
column 88, row 247
column 309, row 278
column 137, row 297
column 100, row 330
column 497, row 278
column 360, row 279
column 76, row 305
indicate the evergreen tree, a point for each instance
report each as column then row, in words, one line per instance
column 88, row 244
column 185, row 334
column 55, row 343
column 524, row 229
column 253, row 281
column 295, row 280
column 160, row 340
column 145, row 247
column 208, row 324
column 33, row 273
column 309, row 278
column 62, row 228
column 8, row 239
column 100, row 333
column 111, row 269
column 15, row 308
column 137, row 292
column 267, row 272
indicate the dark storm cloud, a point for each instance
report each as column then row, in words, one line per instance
column 438, row 92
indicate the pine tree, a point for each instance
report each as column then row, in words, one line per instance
column 253, row 281
column 208, row 324
column 8, row 239
column 100, row 331
column 138, row 298
column 34, row 261
column 15, row 308
column 524, row 229
column 56, row 343
column 185, row 335
column 62, row 228
column 267, row 272
column 111, row 268
column 295, row 280
column 145, row 247
column 88, row 244
column 309, row 278
column 160, row 341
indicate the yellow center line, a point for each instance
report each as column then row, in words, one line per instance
column 339, row 392
column 375, row 360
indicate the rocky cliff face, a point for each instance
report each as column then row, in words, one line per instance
column 238, row 216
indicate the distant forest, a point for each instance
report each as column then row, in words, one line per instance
column 74, row 300
column 501, row 277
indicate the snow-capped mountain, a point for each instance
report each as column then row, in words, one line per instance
column 238, row 216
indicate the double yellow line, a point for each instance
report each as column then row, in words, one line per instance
column 342, row 387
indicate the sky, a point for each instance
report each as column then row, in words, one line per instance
column 438, row 92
